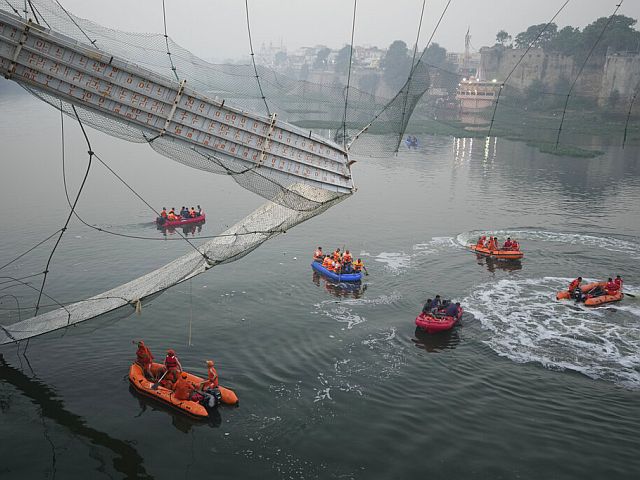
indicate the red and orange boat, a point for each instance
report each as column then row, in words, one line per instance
column 592, row 301
column 195, row 409
column 181, row 221
column 434, row 324
column 505, row 254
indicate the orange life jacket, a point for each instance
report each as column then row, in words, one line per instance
column 327, row 262
column 618, row 281
column 612, row 287
column 515, row 246
column 492, row 245
column 357, row 266
column 480, row 242
column 213, row 377
column 143, row 356
column 163, row 214
column 336, row 255
column 183, row 389
column 347, row 258
column 192, row 213
column 337, row 267
column 573, row 285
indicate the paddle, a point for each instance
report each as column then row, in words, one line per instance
column 155, row 385
column 629, row 295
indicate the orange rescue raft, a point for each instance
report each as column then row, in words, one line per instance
column 506, row 254
column 166, row 396
column 593, row 301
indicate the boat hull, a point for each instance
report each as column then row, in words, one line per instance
column 344, row 277
column 182, row 221
column 593, row 301
column 430, row 324
column 506, row 254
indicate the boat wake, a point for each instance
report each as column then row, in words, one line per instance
column 343, row 311
column 527, row 324
column 397, row 263
column 610, row 244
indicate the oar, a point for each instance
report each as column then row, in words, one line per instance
column 155, row 385
column 629, row 295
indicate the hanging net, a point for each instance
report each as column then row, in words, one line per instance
column 145, row 88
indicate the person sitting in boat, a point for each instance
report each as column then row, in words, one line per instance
column 163, row 213
column 337, row 267
column 186, row 390
column 481, row 241
column 611, row 288
column 144, row 359
column 493, row 243
column 328, row 263
column 515, row 246
column 358, row 266
column 318, row 255
column 426, row 309
column 452, row 309
column 200, row 212
column 192, row 213
column 508, row 244
column 574, row 288
column 173, row 368
column 172, row 214
column 337, row 255
column 436, row 304
column 618, row 282
column 347, row 257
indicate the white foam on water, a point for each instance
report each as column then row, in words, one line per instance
column 395, row 262
column 528, row 324
column 610, row 244
column 342, row 311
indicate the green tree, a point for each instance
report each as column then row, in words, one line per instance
column 568, row 41
column 342, row 59
column 435, row 55
column 396, row 64
column 537, row 35
column 618, row 36
column 502, row 37
column 321, row 60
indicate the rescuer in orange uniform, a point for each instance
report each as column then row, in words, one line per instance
column 144, row 358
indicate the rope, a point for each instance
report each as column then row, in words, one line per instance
column 93, row 42
column 413, row 59
column 12, row 7
column 346, row 97
column 626, row 124
column 495, row 108
column 566, row 102
column 166, row 39
column 253, row 59
column 64, row 228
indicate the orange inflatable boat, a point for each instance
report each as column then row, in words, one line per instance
column 592, row 301
column 166, row 396
column 506, row 254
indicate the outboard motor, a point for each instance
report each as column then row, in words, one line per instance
column 212, row 398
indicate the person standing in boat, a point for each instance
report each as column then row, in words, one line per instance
column 493, row 243
column 144, row 358
column 337, row 255
column 192, row 213
column 212, row 375
column 173, row 368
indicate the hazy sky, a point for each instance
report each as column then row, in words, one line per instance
column 217, row 28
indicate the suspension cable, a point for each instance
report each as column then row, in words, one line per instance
column 253, row 59
column 575, row 80
column 626, row 124
column 166, row 39
column 346, row 97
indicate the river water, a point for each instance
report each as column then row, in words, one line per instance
column 333, row 383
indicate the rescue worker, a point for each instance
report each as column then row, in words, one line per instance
column 185, row 390
column 481, row 241
column 328, row 263
column 611, row 288
column 192, row 213
column 172, row 214
column 163, row 213
column 508, row 244
column 493, row 243
column 199, row 210
column 515, row 246
column 436, row 304
column 618, row 282
column 212, row 374
column 144, row 358
column 173, row 367
column 347, row 257
column 318, row 256
column 574, row 288
column 337, row 255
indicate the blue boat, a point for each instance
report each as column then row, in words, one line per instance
column 343, row 277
